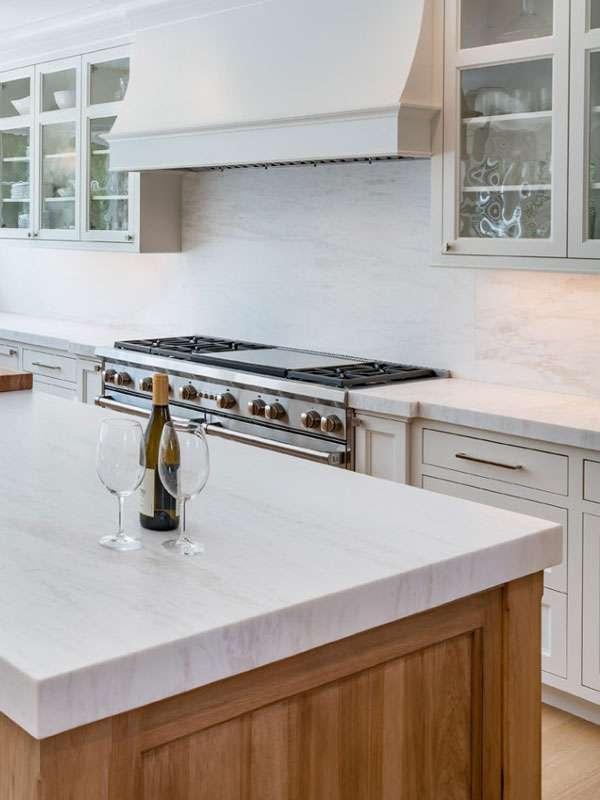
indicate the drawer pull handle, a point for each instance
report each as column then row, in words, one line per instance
column 44, row 366
column 8, row 351
column 467, row 457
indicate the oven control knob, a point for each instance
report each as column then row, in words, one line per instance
column 310, row 419
column 187, row 392
column 109, row 375
column 274, row 411
column 331, row 423
column 122, row 379
column 256, row 408
column 146, row 384
column 225, row 400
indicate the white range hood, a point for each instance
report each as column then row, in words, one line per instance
column 281, row 81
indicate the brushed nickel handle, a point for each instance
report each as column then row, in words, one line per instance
column 45, row 366
column 477, row 460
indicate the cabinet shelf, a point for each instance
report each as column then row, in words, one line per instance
column 100, row 152
column 531, row 187
column 501, row 118
column 16, row 159
column 595, row 185
column 59, row 155
column 110, row 197
column 15, row 200
column 59, row 199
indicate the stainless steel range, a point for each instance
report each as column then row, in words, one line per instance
column 292, row 401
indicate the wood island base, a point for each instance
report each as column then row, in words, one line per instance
column 444, row 704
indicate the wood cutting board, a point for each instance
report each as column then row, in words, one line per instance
column 13, row 380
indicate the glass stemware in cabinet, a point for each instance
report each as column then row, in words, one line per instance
column 594, row 14
column 121, row 464
column 485, row 22
column 108, row 191
column 183, row 466
column 59, row 176
column 506, row 151
column 109, row 81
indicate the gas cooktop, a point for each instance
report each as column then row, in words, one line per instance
column 302, row 365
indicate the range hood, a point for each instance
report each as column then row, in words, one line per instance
column 280, row 81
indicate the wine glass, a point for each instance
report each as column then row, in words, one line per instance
column 183, row 466
column 121, row 464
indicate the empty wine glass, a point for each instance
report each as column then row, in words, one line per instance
column 183, row 466
column 121, row 464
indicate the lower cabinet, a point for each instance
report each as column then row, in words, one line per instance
column 89, row 380
column 591, row 601
column 56, row 372
column 10, row 355
column 554, row 633
column 381, row 447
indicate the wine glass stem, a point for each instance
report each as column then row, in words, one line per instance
column 121, row 502
column 527, row 7
column 182, row 536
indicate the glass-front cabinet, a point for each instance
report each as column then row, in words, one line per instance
column 56, row 183
column 108, row 211
column 505, row 127
column 584, row 193
column 518, row 153
column 16, row 149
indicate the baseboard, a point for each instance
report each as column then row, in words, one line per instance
column 571, row 704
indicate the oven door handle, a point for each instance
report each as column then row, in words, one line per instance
column 105, row 401
column 216, row 429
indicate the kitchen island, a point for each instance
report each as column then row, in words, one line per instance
column 341, row 638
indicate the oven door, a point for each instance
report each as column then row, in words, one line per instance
column 310, row 449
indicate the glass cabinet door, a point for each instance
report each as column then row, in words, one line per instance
column 584, row 171
column 505, row 128
column 59, row 177
column 15, row 155
column 108, row 193
column 58, row 104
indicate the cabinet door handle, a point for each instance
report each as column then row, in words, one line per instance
column 466, row 457
column 44, row 366
column 8, row 351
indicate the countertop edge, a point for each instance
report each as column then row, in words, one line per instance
column 359, row 609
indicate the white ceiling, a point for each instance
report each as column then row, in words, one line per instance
column 16, row 14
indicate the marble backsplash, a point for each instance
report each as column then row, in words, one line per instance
column 333, row 258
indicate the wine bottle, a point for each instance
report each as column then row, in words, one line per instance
column 158, row 509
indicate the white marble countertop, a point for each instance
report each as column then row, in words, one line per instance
column 550, row 416
column 297, row 555
column 73, row 337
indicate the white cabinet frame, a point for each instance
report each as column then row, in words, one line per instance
column 584, row 43
column 23, row 121
column 554, row 47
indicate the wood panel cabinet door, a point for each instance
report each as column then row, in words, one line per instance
column 381, row 448
column 591, row 601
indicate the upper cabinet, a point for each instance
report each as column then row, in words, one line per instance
column 56, row 183
column 515, row 173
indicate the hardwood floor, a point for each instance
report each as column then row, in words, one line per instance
column 570, row 757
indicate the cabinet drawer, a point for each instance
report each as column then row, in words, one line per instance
column 591, row 481
column 520, row 466
column 554, row 633
column 50, row 365
column 554, row 577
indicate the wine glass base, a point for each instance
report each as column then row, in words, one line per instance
column 183, row 547
column 115, row 542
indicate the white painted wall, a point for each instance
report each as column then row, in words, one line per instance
column 334, row 258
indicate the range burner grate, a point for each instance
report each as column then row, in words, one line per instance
column 367, row 373
column 186, row 347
